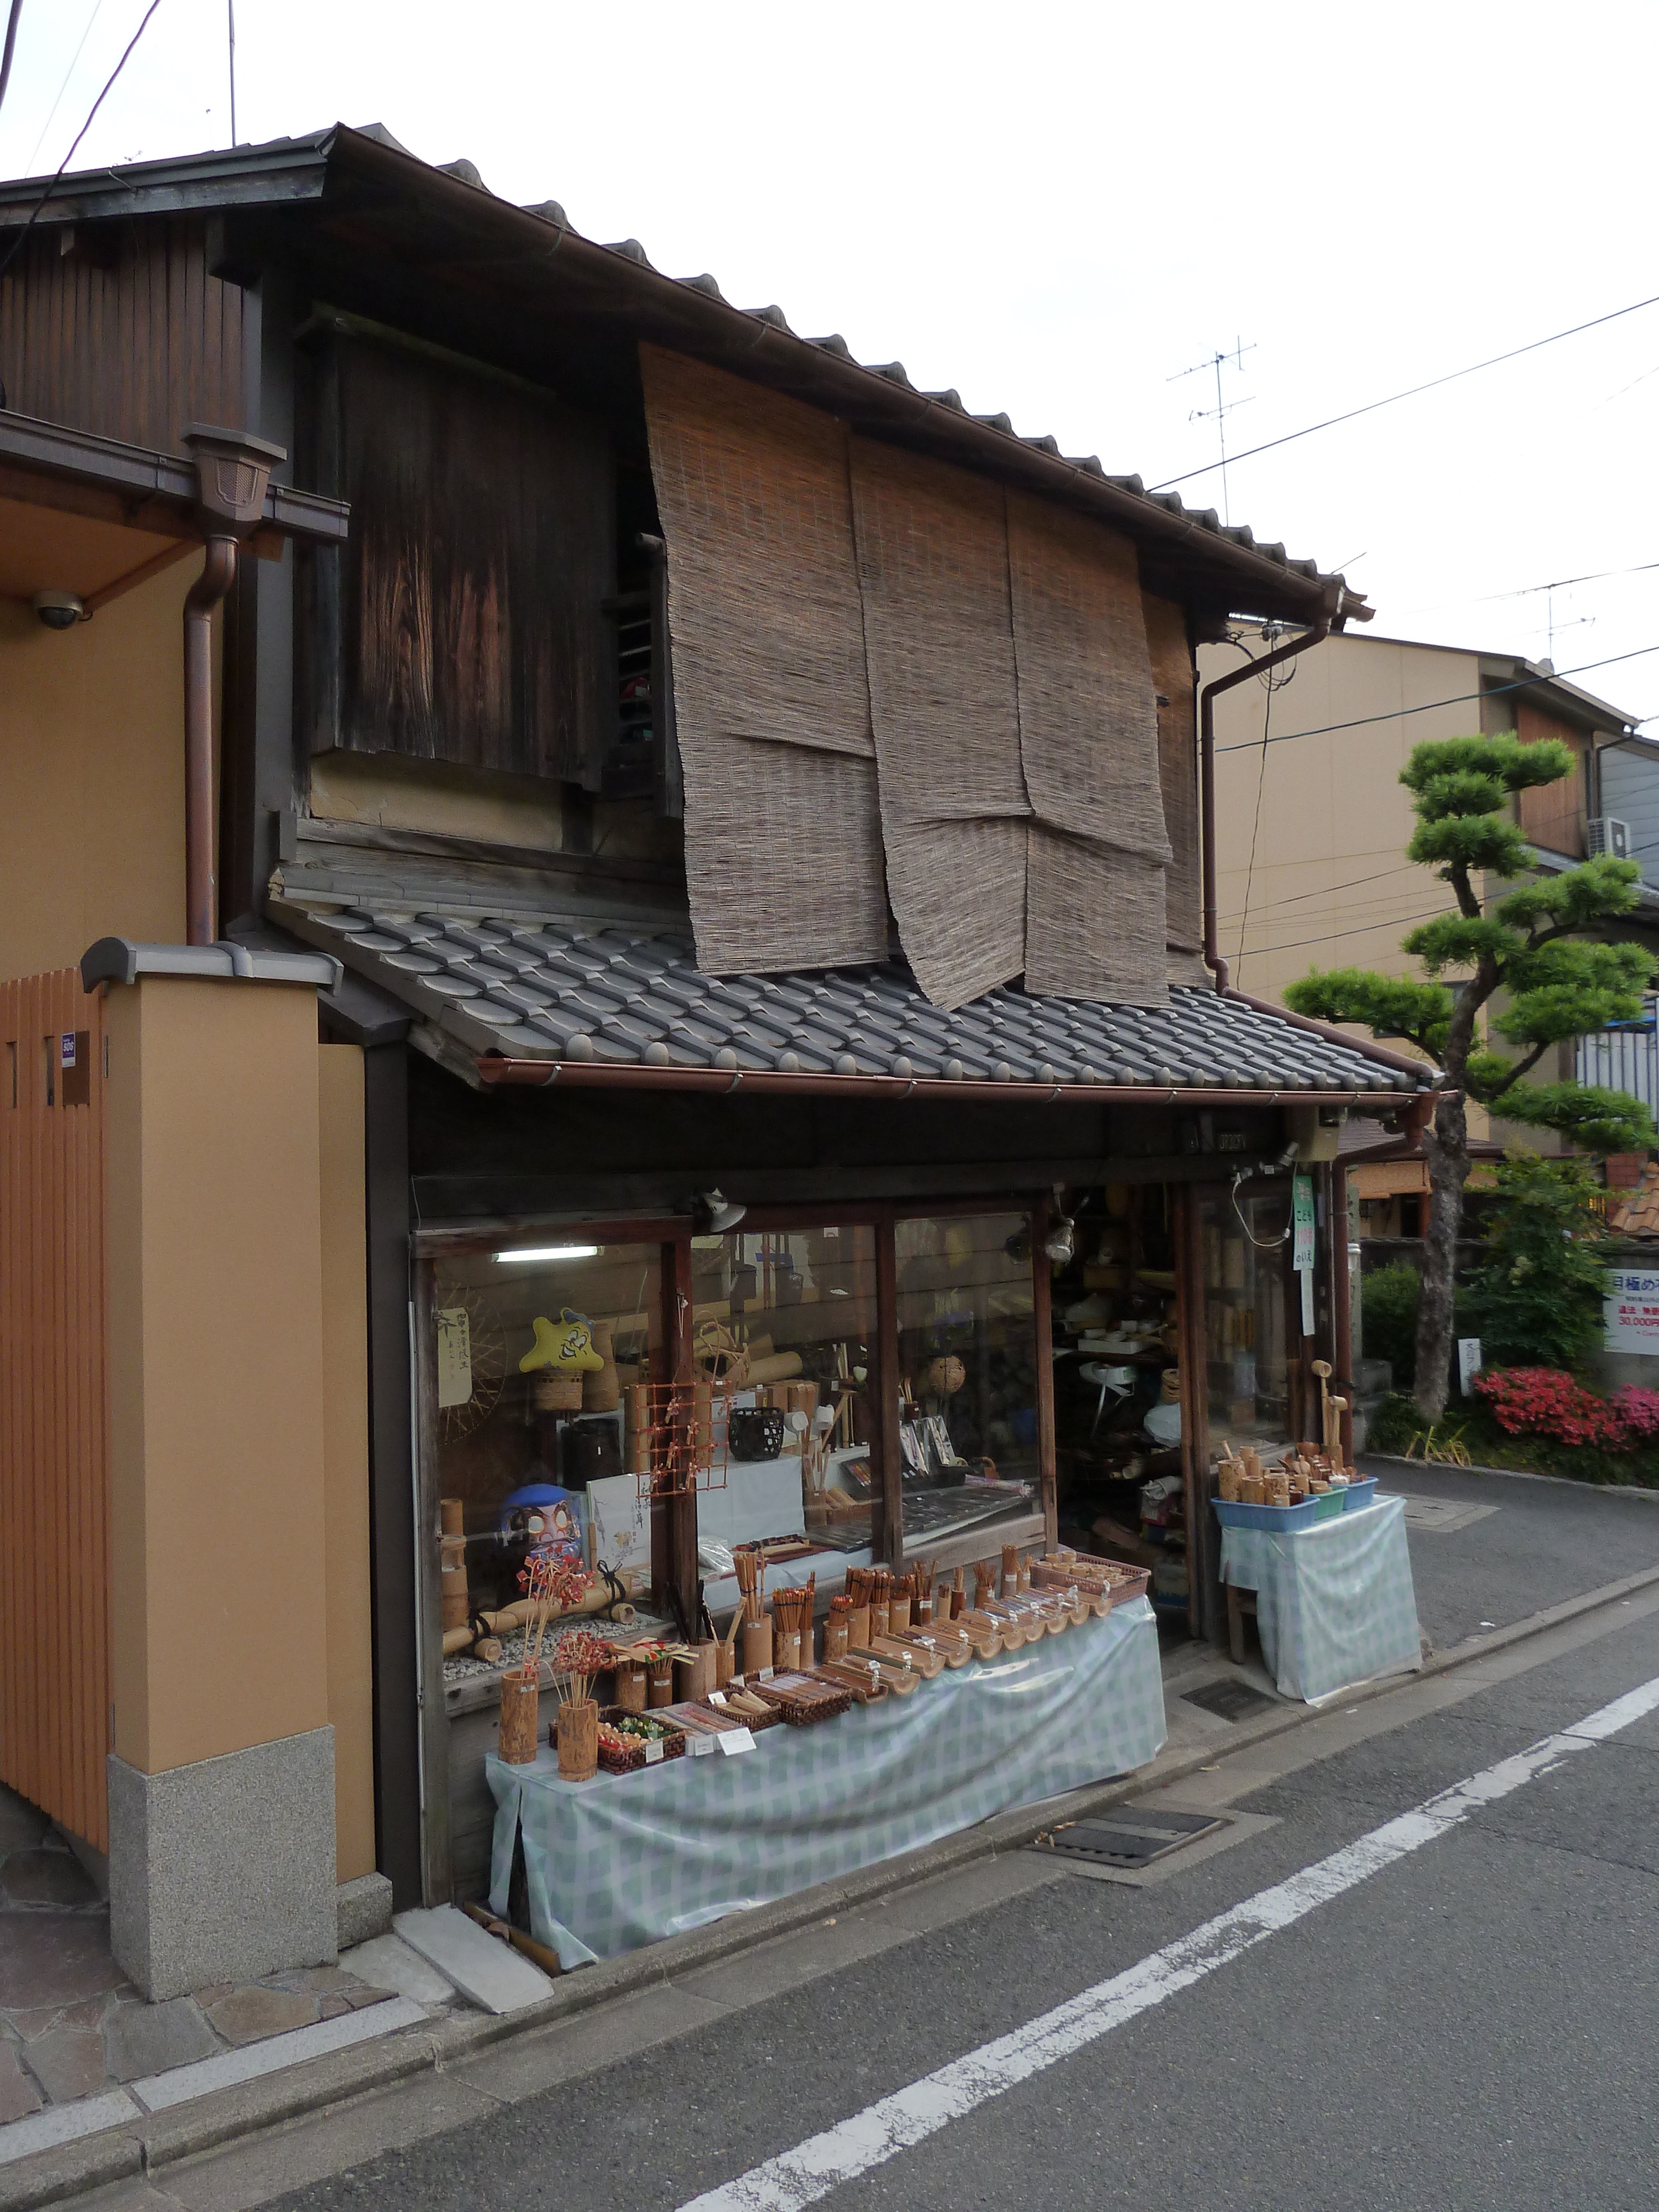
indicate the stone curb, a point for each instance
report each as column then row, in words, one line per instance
column 318, row 2083
column 1514, row 1474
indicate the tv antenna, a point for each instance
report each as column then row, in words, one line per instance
column 1218, row 414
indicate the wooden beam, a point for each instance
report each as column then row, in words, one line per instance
column 886, row 1453
column 1043, row 1332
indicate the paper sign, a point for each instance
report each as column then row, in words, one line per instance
column 717, row 1696
column 1302, row 1219
column 66, row 1049
column 1632, row 1310
column 652, row 1750
column 736, row 1740
column 699, row 1745
column 455, row 1356
column 1469, row 1362
column 765, row 1674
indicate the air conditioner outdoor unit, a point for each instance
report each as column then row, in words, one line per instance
column 1607, row 833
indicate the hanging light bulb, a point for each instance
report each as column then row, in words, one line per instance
column 1059, row 1245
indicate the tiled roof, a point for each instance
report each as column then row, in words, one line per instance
column 288, row 171
column 1636, row 1212
column 598, row 993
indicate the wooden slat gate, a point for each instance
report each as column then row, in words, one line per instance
column 54, row 1456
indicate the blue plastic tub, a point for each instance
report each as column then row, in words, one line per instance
column 1360, row 1494
column 1233, row 1516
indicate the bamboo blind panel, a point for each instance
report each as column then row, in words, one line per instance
column 1178, row 769
column 54, row 1465
column 939, row 637
column 1094, row 923
column 783, row 848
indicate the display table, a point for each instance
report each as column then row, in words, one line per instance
column 1334, row 1602
column 628, row 1859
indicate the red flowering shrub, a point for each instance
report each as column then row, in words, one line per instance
column 1541, row 1401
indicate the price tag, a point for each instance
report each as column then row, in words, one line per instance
column 717, row 1696
column 734, row 1740
column 765, row 1674
column 700, row 1746
column 652, row 1750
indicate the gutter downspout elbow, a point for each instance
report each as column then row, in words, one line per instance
column 201, row 881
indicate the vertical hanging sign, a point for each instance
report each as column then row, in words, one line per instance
column 1302, row 1246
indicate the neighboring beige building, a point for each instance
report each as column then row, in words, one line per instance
column 1312, row 827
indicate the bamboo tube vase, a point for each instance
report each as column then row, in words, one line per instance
column 630, row 1687
column 519, row 1724
column 579, row 1740
column 756, row 1645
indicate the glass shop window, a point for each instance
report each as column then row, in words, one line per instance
column 968, row 1368
column 1245, row 1260
column 784, row 1322
column 535, row 1348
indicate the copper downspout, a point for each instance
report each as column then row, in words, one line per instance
column 1417, row 1069
column 201, row 881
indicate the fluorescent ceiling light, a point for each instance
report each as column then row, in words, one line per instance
column 552, row 1252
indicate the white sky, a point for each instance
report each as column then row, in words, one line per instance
column 1056, row 208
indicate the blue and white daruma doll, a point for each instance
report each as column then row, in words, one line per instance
column 546, row 1520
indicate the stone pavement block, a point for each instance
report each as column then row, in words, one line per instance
column 141, row 2040
column 18, row 2094
column 390, row 1963
column 249, row 2016
column 46, row 1878
column 69, row 2062
column 56, row 1958
column 496, row 1977
column 30, row 2024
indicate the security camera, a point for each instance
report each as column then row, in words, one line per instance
column 59, row 610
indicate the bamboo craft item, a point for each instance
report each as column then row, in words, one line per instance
column 866, row 1688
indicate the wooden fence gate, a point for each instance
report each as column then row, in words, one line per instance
column 54, row 1453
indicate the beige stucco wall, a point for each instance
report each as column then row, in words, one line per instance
column 221, row 1528
column 92, row 841
column 345, row 1454
column 1331, row 885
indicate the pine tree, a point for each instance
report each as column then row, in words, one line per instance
column 1528, row 962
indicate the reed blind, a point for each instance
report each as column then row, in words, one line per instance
column 939, row 635
column 782, row 828
column 1177, row 767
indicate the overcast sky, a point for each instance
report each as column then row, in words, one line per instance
column 1058, row 208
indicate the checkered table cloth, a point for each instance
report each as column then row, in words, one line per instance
column 628, row 1859
column 1334, row 1602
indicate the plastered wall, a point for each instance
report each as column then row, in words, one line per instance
column 92, row 840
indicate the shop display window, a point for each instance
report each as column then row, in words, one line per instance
column 967, row 1350
column 1243, row 1236
column 534, row 1349
column 785, row 1319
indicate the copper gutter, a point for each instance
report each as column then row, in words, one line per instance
column 233, row 471
column 495, row 1071
column 1417, row 1069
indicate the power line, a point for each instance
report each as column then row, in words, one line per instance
column 1331, row 891
column 17, row 243
column 51, row 112
column 1394, row 398
column 1366, row 929
column 1528, row 591
column 1256, row 830
column 1458, row 699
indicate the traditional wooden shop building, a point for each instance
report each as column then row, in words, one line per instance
column 679, row 827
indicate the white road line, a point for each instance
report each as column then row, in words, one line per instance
column 801, row 2176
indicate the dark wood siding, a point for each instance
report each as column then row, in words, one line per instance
column 125, row 333
column 469, row 602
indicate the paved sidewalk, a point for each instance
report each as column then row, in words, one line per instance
column 1527, row 1545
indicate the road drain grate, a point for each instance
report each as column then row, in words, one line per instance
column 1132, row 1838
column 1228, row 1701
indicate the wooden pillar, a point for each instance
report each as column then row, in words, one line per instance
column 674, row 1520
column 886, row 1454
column 1342, row 1358
column 1043, row 1333
column 1204, row 1600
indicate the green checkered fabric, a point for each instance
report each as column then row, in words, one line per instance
column 628, row 1859
column 1334, row 1602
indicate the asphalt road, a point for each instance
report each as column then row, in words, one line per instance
column 1470, row 2026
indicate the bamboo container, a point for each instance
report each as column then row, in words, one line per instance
column 630, row 1686
column 787, row 1645
column 1010, row 1582
column 579, row 1740
column 922, row 1610
column 880, row 1613
column 835, row 1635
column 519, row 1725
column 898, row 1614
column 660, row 1682
column 756, row 1644
column 857, row 1628
column 451, row 1517
column 552, row 1393
column 723, row 1663
column 695, row 1675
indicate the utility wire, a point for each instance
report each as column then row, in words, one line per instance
column 1394, row 398
column 17, row 246
column 57, row 101
column 1364, row 929
column 1528, row 591
column 1330, row 890
column 12, row 21
column 1255, row 828
column 1458, row 699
